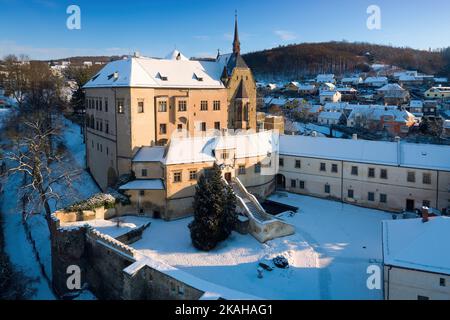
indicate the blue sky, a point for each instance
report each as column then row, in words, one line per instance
column 200, row 27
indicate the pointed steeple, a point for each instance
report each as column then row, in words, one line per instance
column 236, row 42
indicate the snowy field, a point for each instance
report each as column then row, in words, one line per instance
column 329, row 254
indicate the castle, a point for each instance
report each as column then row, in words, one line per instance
column 142, row 101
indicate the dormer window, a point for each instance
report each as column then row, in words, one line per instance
column 113, row 76
column 161, row 77
column 95, row 77
column 198, row 78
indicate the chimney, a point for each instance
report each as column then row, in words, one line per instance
column 354, row 136
column 425, row 214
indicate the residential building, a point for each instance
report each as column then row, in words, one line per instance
column 412, row 271
column 331, row 118
column 330, row 96
column 376, row 81
column 354, row 81
column 438, row 93
column 292, row 86
column 307, row 89
column 367, row 173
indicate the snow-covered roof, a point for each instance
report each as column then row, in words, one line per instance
column 376, row 79
column 146, row 72
column 391, row 87
column 150, row 154
column 147, row 184
column 329, row 93
column 330, row 115
column 440, row 89
column 176, row 55
column 202, row 149
column 352, row 79
column 416, row 245
column 306, row 87
column 416, row 104
column 423, row 156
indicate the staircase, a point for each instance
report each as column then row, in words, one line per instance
column 263, row 226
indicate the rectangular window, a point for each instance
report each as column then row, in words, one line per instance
column 411, row 176
column 142, row 193
column 193, row 175
column 383, row 198
column 120, row 106
column 242, row 170
column 100, row 104
column 106, row 104
column 107, row 126
column 350, row 193
column 293, row 183
column 258, row 168
column 162, row 128
column 334, row 168
column 162, row 106
column 383, row 174
column 354, row 170
column 327, row 188
column 371, row 173
column 371, row 196
column 426, row 178
column 217, row 125
column 216, row 105
column 442, row 282
column 96, row 104
column 177, row 177
column 298, row 164
column 225, row 155
column 140, row 106
column 302, row 185
column 203, row 126
column 182, row 106
column 144, row 173
column 323, row 166
column 203, row 105
column 281, row 162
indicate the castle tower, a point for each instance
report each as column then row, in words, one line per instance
column 241, row 88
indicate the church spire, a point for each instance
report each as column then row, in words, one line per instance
column 236, row 42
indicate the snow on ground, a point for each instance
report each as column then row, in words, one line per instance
column 110, row 227
column 329, row 254
column 17, row 246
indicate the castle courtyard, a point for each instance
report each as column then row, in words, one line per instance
column 328, row 255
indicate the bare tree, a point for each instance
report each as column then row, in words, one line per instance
column 42, row 170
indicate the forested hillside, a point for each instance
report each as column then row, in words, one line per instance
column 309, row 59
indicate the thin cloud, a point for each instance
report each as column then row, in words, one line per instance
column 285, row 35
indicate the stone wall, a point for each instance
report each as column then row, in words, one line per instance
column 111, row 269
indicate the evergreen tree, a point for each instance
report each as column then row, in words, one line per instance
column 214, row 211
